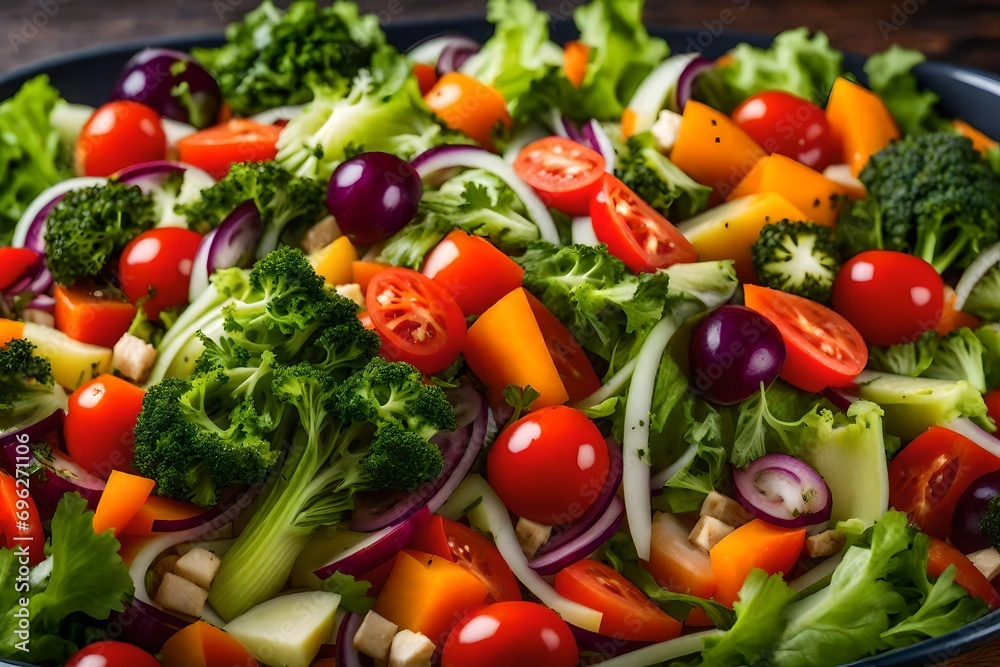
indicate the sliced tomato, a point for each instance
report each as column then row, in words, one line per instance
column 215, row 149
column 564, row 173
column 417, row 319
column 929, row 475
column 14, row 262
column 824, row 349
column 635, row 232
column 941, row 555
column 473, row 271
column 627, row 613
column 19, row 521
column 571, row 360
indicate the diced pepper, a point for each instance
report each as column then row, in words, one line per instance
column 755, row 545
column 120, row 501
column 860, row 121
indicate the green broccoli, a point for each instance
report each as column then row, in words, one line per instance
column 798, row 258
column 659, row 182
column 274, row 58
column 960, row 356
column 338, row 449
column 910, row 359
column 27, row 390
column 283, row 200
column 930, row 195
column 984, row 300
column 89, row 225
column 989, row 336
column 989, row 524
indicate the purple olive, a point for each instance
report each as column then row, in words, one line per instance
column 733, row 351
column 969, row 510
column 372, row 196
column 173, row 84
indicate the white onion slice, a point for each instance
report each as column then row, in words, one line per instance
column 428, row 52
column 176, row 130
column 582, row 231
column 492, row 516
column 966, row 427
column 977, row 269
column 199, row 269
column 657, row 89
column 529, row 134
column 664, row 651
column 664, row 475
column 614, row 386
column 271, row 116
column 43, row 199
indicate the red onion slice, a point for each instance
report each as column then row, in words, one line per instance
column 685, row 84
column 199, row 267
column 584, row 544
column 17, row 443
column 428, row 51
column 43, row 302
column 150, row 176
column 784, row 491
column 377, row 548
column 347, row 655
column 594, row 136
column 235, row 240
column 147, row 626
column 30, row 229
column 455, row 53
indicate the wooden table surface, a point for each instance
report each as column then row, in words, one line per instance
column 959, row 31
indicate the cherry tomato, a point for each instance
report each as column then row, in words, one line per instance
column 628, row 613
column 993, row 404
column 14, row 262
column 550, row 465
column 929, row 475
column 112, row 654
column 215, row 149
column 417, row 320
column 19, row 521
column 463, row 545
column 158, row 262
column 941, row 555
column 525, row 634
column 571, row 360
column 789, row 125
column 823, row 349
column 99, row 423
column 635, row 232
column 565, row 174
column 459, row 264
column 890, row 297
column 118, row 135
column 469, row 106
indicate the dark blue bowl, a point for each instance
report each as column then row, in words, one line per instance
column 973, row 95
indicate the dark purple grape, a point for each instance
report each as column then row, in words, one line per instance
column 372, row 196
column 733, row 351
column 969, row 510
column 173, row 84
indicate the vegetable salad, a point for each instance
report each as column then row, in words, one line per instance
column 317, row 352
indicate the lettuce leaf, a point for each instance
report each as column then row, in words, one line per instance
column 890, row 75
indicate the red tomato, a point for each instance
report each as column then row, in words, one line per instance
column 417, row 320
column 112, row 654
column 550, row 465
column 14, row 262
column 215, row 149
column 463, row 545
column 824, row 350
column 99, row 423
column 789, row 125
column 525, row 634
column 993, row 404
column 565, row 174
column 426, row 77
column 628, row 614
column 634, row 232
column 571, row 360
column 941, row 555
column 473, row 271
column 890, row 297
column 19, row 521
column 158, row 262
column 928, row 476
column 119, row 135
column 91, row 314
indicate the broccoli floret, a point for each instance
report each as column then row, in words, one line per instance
column 798, row 258
column 984, row 300
column 930, row 195
column 910, row 359
column 89, row 225
column 342, row 349
column 328, row 461
column 989, row 524
column 660, row 182
column 959, row 357
column 282, row 199
column 396, row 392
column 27, row 390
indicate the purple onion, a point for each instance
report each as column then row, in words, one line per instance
column 566, row 128
column 733, row 350
column 156, row 77
column 61, row 474
column 606, row 647
column 35, row 239
column 43, row 302
column 235, row 239
column 583, row 544
column 376, row 549
column 594, row 137
column 685, row 84
column 455, row 53
column 783, row 491
column 347, row 655
column 240, row 502
column 150, row 176
column 146, row 625
column 841, row 398
column 372, row 196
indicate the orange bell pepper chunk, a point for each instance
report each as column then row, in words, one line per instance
column 469, row 106
column 10, row 330
column 941, row 554
column 335, row 262
column 755, row 545
column 860, row 121
column 363, row 272
column 85, row 314
column 575, row 57
column 204, row 645
column 951, row 319
column 157, row 508
column 980, row 141
column 811, row 192
column 120, row 501
column 677, row 564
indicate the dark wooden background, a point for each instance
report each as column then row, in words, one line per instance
column 959, row 31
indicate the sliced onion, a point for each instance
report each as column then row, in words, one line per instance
column 199, row 268
column 37, row 278
column 661, row 478
column 472, row 157
column 784, row 491
column 564, row 127
column 977, row 269
column 660, row 90
column 594, row 136
column 522, row 138
column 347, row 655
column 455, row 53
column 603, row 645
column 176, row 130
column 30, row 229
column 150, row 176
column 147, row 626
column 582, row 231
column 43, row 302
column 664, row 652
column 61, row 475
column 235, row 240
column 240, row 500
column 685, row 85
column 17, row 443
column 377, row 548
column 272, row 116
column 428, row 51
column 586, row 543
column 970, row 430
column 460, row 449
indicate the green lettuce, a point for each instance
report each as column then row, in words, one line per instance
column 890, row 75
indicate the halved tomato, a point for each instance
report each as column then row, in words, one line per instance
column 634, row 231
column 572, row 364
column 824, row 349
column 216, row 149
column 417, row 319
column 941, row 555
column 564, row 173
